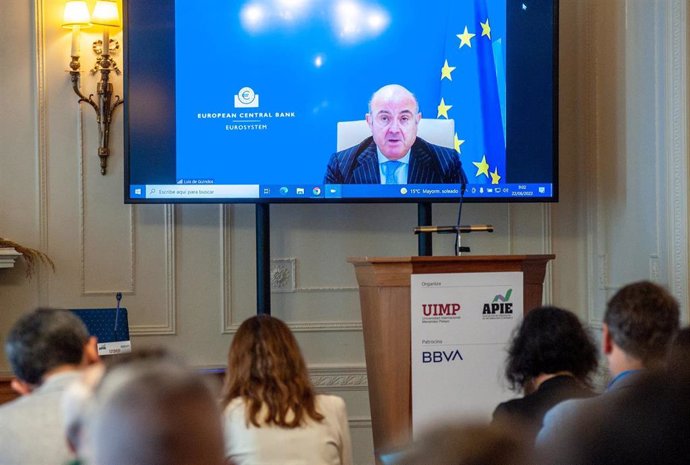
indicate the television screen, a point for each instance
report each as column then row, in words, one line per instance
column 340, row 101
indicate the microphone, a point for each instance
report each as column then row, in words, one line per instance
column 454, row 229
column 118, row 297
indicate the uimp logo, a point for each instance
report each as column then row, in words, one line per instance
column 440, row 313
column 499, row 307
column 450, row 309
column 246, row 98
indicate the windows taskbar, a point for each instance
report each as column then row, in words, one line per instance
column 336, row 191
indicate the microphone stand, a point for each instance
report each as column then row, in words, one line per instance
column 458, row 228
column 458, row 249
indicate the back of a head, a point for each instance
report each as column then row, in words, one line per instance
column 264, row 348
column 550, row 340
column 468, row 444
column 642, row 319
column 266, row 368
column 154, row 413
column 679, row 352
column 43, row 340
column 80, row 393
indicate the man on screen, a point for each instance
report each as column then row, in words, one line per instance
column 394, row 154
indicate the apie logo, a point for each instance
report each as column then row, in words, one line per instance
column 246, row 98
column 499, row 308
column 440, row 356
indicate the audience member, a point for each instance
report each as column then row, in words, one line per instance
column 79, row 394
column 153, row 412
column 646, row 424
column 550, row 358
column 74, row 403
column 466, row 444
column 47, row 350
column 272, row 415
column 640, row 321
column 679, row 352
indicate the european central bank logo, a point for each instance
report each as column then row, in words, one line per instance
column 500, row 305
column 246, row 98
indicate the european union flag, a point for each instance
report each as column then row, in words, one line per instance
column 473, row 86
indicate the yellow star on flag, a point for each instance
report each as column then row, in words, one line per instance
column 465, row 38
column 486, row 29
column 482, row 167
column 446, row 70
column 495, row 177
column 457, row 142
column 443, row 109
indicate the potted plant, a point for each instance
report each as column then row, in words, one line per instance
column 32, row 257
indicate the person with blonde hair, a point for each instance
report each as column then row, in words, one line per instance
column 271, row 413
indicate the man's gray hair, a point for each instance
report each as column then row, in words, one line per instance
column 43, row 340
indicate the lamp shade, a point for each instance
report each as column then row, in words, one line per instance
column 105, row 14
column 76, row 14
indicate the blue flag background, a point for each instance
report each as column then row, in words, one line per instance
column 473, row 87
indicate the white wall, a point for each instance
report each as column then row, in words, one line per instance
column 187, row 272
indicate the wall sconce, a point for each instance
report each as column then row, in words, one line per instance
column 105, row 14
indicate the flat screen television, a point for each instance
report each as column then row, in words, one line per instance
column 254, row 101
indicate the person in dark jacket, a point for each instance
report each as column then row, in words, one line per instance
column 551, row 358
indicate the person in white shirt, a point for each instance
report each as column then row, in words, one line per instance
column 47, row 349
column 271, row 413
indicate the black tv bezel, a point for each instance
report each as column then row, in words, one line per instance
column 554, row 198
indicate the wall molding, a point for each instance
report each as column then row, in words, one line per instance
column 228, row 323
column 338, row 378
column 284, row 279
column 597, row 259
column 225, row 271
column 359, row 422
column 170, row 325
column 677, row 148
column 547, row 248
column 326, row 378
column 41, row 146
column 230, row 327
column 131, row 290
column 327, row 289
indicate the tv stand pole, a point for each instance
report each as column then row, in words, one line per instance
column 263, row 259
column 424, row 244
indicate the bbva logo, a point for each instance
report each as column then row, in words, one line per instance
column 440, row 356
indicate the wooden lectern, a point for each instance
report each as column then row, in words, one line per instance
column 384, row 292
